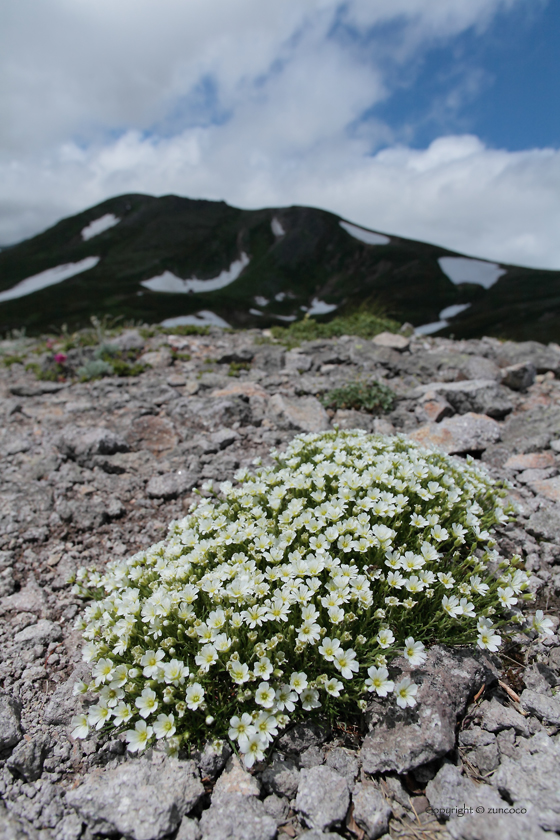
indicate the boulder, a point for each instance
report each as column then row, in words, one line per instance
column 152, row 798
column 304, row 414
column 459, row 435
column 519, row 377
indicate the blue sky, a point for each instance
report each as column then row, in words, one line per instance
column 432, row 119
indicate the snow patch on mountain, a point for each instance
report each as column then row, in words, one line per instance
column 204, row 318
column 171, row 284
column 466, row 270
column 276, row 226
column 367, row 236
column 48, row 278
column 100, row 225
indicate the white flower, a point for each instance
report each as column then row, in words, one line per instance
column 122, row 713
column 239, row 726
column 263, row 668
column 467, row 608
column 175, row 672
column 309, row 699
column 542, row 624
column 334, row 687
column 102, row 671
column 385, row 638
column 151, row 662
column 328, row 648
column 80, row 726
column 139, row 736
column 488, row 639
column 252, row 747
column 298, row 681
column 239, row 671
column 406, row 691
column 207, row 656
column 164, row 726
column 507, row 596
column 379, row 681
column 477, row 586
column 265, row 695
column 147, row 702
column 194, row 696
column 451, row 605
column 267, row 727
column 414, row 651
column 309, row 632
column 99, row 714
column 345, row 661
column 285, row 699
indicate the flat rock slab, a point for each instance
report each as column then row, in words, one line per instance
column 402, row 739
column 456, row 435
column 139, row 799
column 304, row 414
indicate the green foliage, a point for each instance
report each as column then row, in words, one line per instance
column 177, row 356
column 235, row 368
column 362, row 323
column 373, row 397
column 8, row 361
column 294, row 590
column 186, row 329
column 121, row 368
column 94, row 369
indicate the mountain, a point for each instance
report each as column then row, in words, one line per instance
column 153, row 259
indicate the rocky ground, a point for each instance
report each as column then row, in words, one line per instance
column 96, row 470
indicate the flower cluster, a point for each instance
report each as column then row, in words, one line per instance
column 293, row 590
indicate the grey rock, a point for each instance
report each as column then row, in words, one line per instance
column 315, row 834
column 457, row 798
column 485, row 758
column 519, row 377
column 235, row 780
column 531, row 779
column 239, row 354
column 482, row 396
column 12, row 829
column 10, row 719
column 35, row 389
column 543, row 358
column 210, row 762
column 277, row 807
column 457, row 435
column 30, row 599
column 39, row 634
column 171, row 485
column 235, row 817
column 302, row 736
column 312, row 757
column 82, row 444
column 129, row 340
column 540, row 678
column 152, row 798
column 371, row 810
column 496, row 717
column 157, row 358
column 27, row 758
column 403, row 739
column 269, row 358
column 545, row 522
column 223, row 438
column 189, row 830
column 64, row 704
column 344, row 762
column 281, row 777
column 507, row 742
column 476, row 737
column 304, row 414
column 351, row 419
column 297, row 362
column 545, row 708
column 322, row 798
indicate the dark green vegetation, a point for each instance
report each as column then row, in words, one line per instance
column 361, row 322
column 315, row 258
column 373, row 397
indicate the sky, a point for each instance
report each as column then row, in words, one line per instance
column 437, row 120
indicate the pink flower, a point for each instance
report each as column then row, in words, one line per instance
column 60, row 358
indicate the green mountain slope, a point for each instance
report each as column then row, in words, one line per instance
column 296, row 256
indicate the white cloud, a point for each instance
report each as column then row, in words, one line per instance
column 258, row 104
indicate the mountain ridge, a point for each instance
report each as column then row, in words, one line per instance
column 297, row 260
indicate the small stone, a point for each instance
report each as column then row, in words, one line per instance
column 545, row 522
column 223, row 438
column 392, row 340
column 281, row 777
column 27, row 758
column 151, row 802
column 235, row 817
column 349, row 418
column 302, row 736
column 545, row 708
column 458, row 435
column 30, row 599
column 157, row 359
column 531, row 461
column 344, row 762
column 188, row 830
column 496, row 717
column 519, row 377
column 277, row 807
column 312, row 757
column 211, row 762
column 476, row 737
column 64, row 704
column 547, row 487
column 434, row 410
column 241, row 389
column 371, row 810
column 39, row 634
column 486, row 758
column 304, row 414
column 170, row 485
column 235, row 780
column 322, row 798
column 10, row 719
